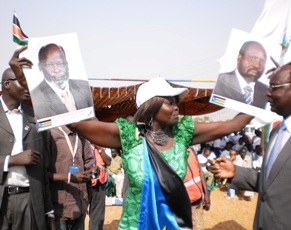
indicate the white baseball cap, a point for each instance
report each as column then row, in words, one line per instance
column 157, row 87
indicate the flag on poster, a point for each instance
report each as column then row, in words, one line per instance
column 19, row 36
column 285, row 45
column 218, row 100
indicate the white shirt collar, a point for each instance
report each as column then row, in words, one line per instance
column 5, row 108
column 57, row 89
column 288, row 124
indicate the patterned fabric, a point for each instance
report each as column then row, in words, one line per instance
column 132, row 158
column 248, row 95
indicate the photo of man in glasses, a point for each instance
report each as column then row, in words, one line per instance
column 242, row 84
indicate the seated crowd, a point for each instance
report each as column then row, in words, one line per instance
column 240, row 148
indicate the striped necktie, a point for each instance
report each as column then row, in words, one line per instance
column 276, row 149
column 248, row 95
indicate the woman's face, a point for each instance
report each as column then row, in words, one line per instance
column 168, row 114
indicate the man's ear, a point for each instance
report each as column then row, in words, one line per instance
column 39, row 67
column 239, row 57
column 6, row 84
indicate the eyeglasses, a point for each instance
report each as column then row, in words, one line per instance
column 256, row 59
column 50, row 66
column 273, row 87
column 10, row 79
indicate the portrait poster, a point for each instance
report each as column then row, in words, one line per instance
column 242, row 81
column 57, row 81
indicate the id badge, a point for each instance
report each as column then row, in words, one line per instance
column 74, row 169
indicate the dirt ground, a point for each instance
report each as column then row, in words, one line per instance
column 224, row 214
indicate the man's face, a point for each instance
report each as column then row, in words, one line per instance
column 232, row 155
column 228, row 146
column 251, row 65
column 16, row 91
column 55, row 68
column 243, row 153
column 206, row 152
column 258, row 150
column 113, row 153
column 280, row 97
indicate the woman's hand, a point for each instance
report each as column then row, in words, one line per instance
column 17, row 65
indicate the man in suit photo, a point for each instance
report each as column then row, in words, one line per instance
column 25, row 200
column 57, row 93
column 273, row 182
column 242, row 84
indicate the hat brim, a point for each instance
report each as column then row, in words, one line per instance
column 181, row 92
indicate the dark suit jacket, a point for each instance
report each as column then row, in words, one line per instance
column 46, row 103
column 228, row 86
column 38, row 179
column 274, row 200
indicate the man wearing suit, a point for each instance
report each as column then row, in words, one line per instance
column 58, row 94
column 273, row 183
column 242, row 83
column 25, row 200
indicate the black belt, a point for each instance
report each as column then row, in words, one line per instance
column 16, row 190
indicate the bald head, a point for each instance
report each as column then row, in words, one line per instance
column 45, row 50
column 7, row 74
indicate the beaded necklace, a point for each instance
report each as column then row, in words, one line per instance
column 159, row 137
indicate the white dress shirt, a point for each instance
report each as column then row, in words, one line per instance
column 17, row 175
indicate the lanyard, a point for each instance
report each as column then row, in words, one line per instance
column 70, row 144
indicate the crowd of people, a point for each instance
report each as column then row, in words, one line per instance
column 239, row 147
column 48, row 179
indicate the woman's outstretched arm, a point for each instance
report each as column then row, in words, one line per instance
column 100, row 133
column 210, row 131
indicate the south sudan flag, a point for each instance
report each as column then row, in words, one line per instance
column 165, row 204
column 18, row 36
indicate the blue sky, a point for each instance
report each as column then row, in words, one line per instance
column 175, row 39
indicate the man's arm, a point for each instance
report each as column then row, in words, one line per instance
column 241, row 178
column 106, row 159
column 246, row 179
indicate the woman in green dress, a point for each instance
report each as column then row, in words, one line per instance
column 158, row 112
column 154, row 152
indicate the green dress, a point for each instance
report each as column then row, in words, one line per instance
column 132, row 158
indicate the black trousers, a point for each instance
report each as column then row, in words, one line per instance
column 97, row 206
column 16, row 211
